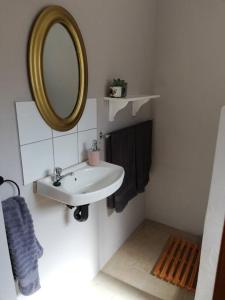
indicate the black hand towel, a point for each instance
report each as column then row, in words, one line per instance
column 143, row 149
column 120, row 150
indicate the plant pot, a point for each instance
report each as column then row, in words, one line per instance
column 115, row 91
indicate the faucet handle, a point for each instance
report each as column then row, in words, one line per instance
column 57, row 176
column 58, row 171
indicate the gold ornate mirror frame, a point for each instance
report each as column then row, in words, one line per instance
column 47, row 18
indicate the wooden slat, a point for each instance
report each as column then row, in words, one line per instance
column 188, row 267
column 192, row 280
column 179, row 263
column 176, row 262
column 159, row 264
column 177, row 277
column 163, row 274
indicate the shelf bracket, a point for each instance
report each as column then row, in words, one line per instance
column 115, row 107
column 136, row 105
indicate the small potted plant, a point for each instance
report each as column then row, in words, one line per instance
column 118, row 88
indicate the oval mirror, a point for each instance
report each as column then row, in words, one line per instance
column 58, row 68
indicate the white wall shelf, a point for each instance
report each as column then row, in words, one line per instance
column 116, row 104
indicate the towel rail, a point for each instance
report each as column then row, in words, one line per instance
column 102, row 135
column 2, row 180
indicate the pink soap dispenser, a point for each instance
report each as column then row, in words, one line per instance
column 94, row 154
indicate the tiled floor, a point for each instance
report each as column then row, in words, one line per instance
column 133, row 262
column 105, row 287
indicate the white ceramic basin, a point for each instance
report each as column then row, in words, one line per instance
column 87, row 185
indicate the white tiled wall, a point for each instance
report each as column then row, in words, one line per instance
column 37, row 160
column 61, row 133
column 32, row 127
column 43, row 149
column 89, row 117
column 65, row 150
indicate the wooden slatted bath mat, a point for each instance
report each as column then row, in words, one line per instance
column 179, row 263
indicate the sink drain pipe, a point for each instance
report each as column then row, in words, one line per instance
column 80, row 213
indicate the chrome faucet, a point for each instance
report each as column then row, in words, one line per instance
column 57, row 177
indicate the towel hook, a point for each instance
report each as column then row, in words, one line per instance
column 2, row 180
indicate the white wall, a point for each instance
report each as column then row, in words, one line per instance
column 190, row 74
column 214, row 221
column 74, row 251
column 114, row 228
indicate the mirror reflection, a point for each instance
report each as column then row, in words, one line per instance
column 60, row 70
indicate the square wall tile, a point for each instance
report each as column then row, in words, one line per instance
column 37, row 160
column 61, row 133
column 65, row 150
column 85, row 139
column 31, row 126
column 89, row 117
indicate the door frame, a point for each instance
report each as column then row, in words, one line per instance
column 219, row 290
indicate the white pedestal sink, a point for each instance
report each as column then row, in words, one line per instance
column 87, row 184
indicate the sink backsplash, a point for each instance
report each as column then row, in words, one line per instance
column 42, row 149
